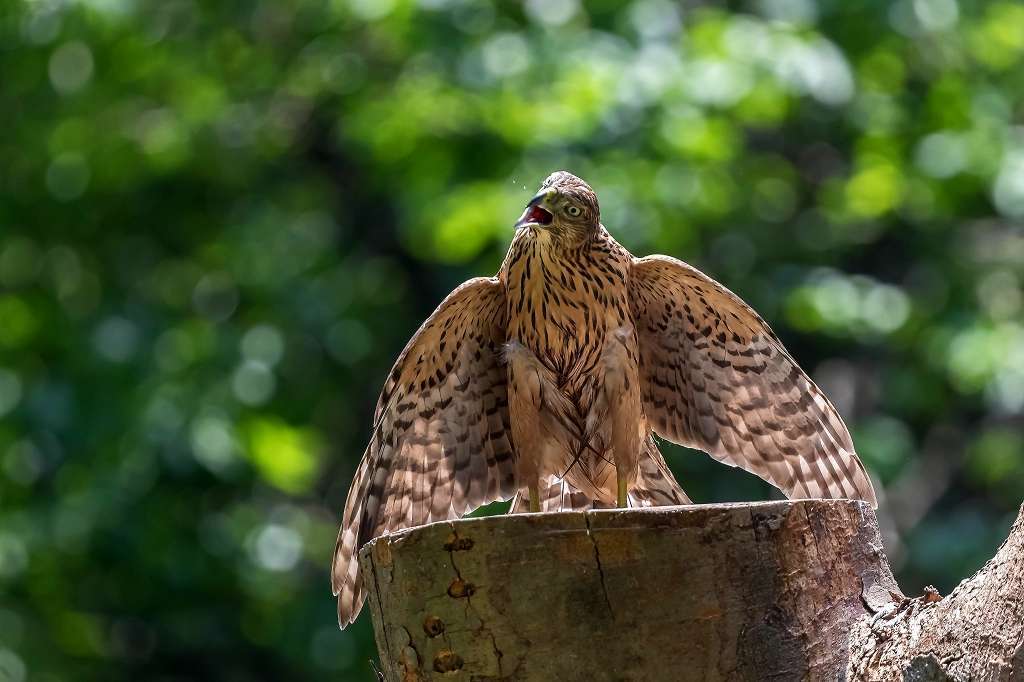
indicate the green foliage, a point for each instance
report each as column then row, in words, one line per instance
column 220, row 222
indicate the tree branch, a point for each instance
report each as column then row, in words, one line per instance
column 976, row 633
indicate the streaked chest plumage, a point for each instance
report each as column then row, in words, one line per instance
column 562, row 303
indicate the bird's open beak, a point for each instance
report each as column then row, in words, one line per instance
column 536, row 212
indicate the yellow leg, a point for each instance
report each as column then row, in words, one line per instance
column 622, row 501
column 534, row 498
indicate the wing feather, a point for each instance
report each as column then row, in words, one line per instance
column 715, row 377
column 441, row 444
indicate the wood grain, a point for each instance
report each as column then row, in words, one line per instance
column 753, row 591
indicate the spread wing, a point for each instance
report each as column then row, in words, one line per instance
column 441, row 440
column 715, row 377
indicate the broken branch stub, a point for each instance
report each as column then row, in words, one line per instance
column 747, row 591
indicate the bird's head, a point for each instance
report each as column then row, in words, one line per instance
column 565, row 207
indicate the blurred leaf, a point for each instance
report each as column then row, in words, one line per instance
column 284, row 456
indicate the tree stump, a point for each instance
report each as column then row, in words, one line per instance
column 754, row 591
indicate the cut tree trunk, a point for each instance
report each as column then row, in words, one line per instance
column 795, row 590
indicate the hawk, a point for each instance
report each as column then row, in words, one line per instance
column 548, row 382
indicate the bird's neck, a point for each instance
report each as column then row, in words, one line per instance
column 555, row 244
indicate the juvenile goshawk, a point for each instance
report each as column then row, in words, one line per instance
column 547, row 383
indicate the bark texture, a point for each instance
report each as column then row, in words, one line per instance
column 976, row 633
column 760, row 591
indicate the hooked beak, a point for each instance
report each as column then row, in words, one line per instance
column 536, row 212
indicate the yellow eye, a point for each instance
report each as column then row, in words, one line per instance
column 573, row 211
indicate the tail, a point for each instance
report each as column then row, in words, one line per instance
column 655, row 487
column 558, row 495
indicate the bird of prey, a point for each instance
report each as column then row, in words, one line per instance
column 548, row 382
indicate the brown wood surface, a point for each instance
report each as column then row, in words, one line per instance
column 754, row 591
column 976, row 633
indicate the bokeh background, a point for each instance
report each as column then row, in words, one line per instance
column 221, row 221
